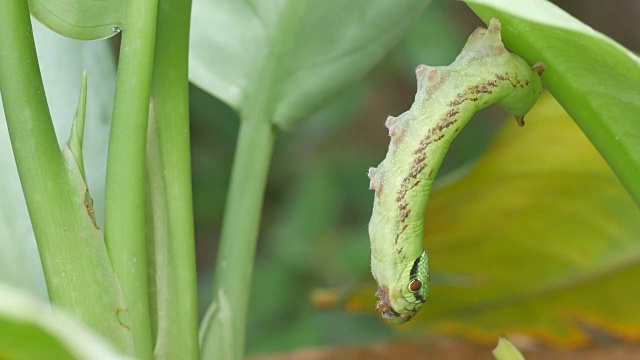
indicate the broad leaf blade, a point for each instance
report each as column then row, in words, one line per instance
column 540, row 237
column 81, row 19
column 307, row 49
column 30, row 329
column 595, row 79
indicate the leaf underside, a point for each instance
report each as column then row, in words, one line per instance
column 301, row 51
column 596, row 80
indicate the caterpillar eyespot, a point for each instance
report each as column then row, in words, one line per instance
column 447, row 97
column 415, row 285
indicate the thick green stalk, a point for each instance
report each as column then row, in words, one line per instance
column 125, row 187
column 225, row 334
column 74, row 259
column 169, row 174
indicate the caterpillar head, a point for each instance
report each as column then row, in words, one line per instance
column 401, row 297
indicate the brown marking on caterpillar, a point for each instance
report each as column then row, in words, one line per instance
column 457, row 102
column 484, row 88
column 424, row 143
column 502, row 77
column 403, row 207
column 400, row 250
column 444, row 124
column 404, row 215
column 416, row 170
column 436, row 134
column 505, row 77
column 400, row 233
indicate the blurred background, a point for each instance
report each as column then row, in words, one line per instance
column 313, row 251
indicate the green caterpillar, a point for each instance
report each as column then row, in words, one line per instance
column 447, row 97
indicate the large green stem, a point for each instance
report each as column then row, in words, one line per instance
column 169, row 174
column 74, row 259
column 226, row 331
column 125, row 187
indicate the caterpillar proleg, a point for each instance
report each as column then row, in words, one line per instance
column 447, row 97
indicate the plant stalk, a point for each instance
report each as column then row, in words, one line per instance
column 232, row 282
column 125, row 186
column 169, row 172
column 223, row 335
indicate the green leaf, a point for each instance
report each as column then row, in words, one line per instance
column 300, row 52
column 62, row 62
column 594, row 78
column 539, row 237
column 81, row 19
column 30, row 329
